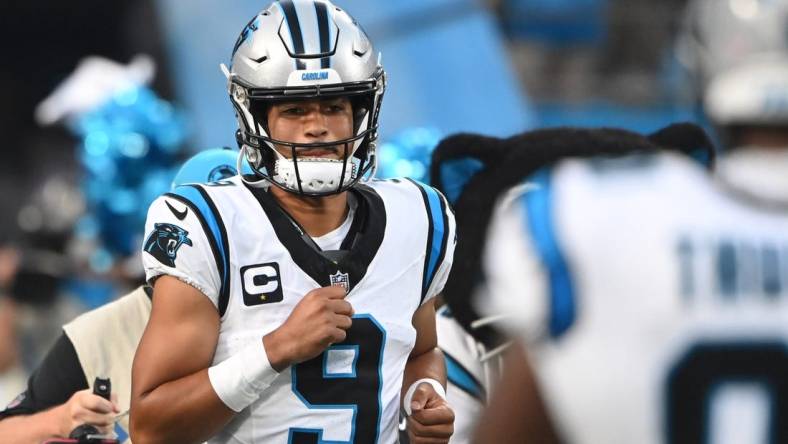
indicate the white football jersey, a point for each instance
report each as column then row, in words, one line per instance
column 652, row 297
column 468, row 378
column 236, row 245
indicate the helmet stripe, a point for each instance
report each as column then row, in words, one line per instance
column 293, row 25
column 307, row 20
column 323, row 27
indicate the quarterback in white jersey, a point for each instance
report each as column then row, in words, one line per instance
column 293, row 305
column 652, row 298
column 351, row 392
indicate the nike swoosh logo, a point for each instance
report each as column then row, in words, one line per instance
column 181, row 215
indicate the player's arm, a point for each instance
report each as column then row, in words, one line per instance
column 176, row 398
column 431, row 420
column 426, row 359
column 172, row 400
column 516, row 412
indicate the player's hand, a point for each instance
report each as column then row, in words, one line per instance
column 319, row 320
column 86, row 408
column 431, row 420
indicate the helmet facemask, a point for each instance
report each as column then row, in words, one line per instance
column 298, row 172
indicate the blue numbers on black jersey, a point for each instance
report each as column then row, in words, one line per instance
column 357, row 387
column 708, row 367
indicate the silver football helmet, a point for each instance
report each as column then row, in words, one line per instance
column 301, row 50
column 754, row 92
column 718, row 34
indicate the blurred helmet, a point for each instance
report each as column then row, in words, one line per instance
column 718, row 34
column 754, row 92
column 302, row 50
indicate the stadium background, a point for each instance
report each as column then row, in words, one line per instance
column 496, row 67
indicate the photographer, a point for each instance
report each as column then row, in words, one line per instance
column 99, row 343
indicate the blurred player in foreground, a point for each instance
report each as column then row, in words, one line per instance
column 296, row 304
column 650, row 296
column 100, row 343
column 470, row 169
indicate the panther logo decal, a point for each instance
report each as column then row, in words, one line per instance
column 164, row 242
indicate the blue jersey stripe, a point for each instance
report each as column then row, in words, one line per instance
column 462, row 378
column 539, row 216
column 213, row 221
column 438, row 232
column 437, row 238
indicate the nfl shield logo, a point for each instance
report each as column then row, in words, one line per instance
column 340, row 279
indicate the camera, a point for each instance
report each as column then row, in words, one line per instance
column 86, row 433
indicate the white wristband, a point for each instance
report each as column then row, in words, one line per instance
column 412, row 389
column 240, row 379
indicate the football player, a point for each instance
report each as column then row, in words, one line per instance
column 296, row 304
column 651, row 297
column 471, row 168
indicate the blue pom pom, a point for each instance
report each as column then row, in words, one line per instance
column 130, row 150
column 408, row 154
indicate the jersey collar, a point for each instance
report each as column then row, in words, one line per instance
column 359, row 246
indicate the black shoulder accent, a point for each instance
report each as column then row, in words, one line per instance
column 445, row 240
column 359, row 222
column 196, row 198
column 224, row 293
column 428, row 246
column 437, row 233
column 58, row 377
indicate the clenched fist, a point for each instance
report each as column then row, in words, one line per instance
column 431, row 420
column 319, row 320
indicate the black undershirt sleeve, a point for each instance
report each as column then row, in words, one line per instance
column 58, row 377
